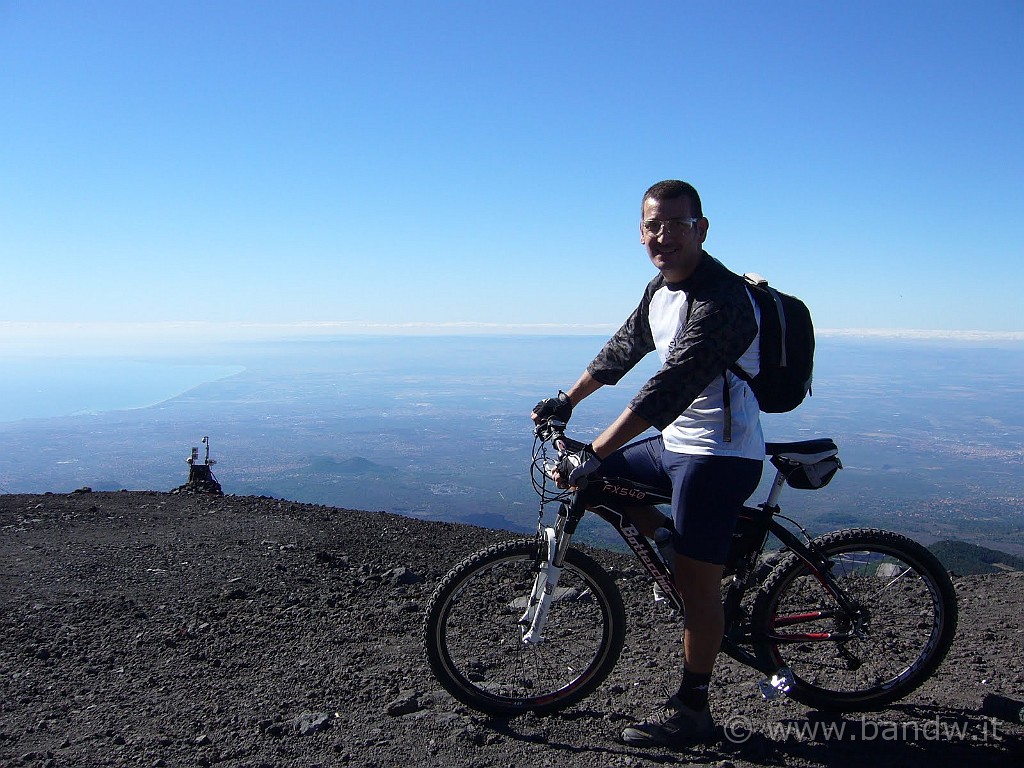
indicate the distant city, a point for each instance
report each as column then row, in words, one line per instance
column 931, row 433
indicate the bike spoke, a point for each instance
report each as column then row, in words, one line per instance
column 882, row 645
column 485, row 626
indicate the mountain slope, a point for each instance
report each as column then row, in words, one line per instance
column 966, row 559
column 162, row 630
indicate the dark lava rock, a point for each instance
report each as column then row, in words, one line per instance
column 154, row 629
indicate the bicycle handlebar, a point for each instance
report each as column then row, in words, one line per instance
column 552, row 431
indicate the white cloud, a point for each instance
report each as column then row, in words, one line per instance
column 919, row 334
column 36, row 339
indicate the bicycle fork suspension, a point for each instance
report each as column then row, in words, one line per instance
column 544, row 586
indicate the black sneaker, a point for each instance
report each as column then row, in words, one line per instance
column 674, row 725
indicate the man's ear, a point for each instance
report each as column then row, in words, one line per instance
column 702, row 229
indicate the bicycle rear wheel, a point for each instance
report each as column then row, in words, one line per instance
column 474, row 641
column 902, row 624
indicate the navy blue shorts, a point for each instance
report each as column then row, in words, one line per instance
column 708, row 492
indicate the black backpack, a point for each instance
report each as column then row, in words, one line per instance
column 786, row 346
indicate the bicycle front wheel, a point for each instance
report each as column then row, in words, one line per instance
column 893, row 635
column 474, row 642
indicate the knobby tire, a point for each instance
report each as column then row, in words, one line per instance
column 902, row 628
column 473, row 641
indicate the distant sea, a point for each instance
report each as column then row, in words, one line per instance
column 56, row 387
column 931, row 432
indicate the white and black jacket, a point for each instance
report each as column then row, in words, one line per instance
column 699, row 327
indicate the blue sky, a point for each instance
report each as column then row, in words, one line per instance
column 350, row 164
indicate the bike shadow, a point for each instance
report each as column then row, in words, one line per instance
column 904, row 736
column 593, row 751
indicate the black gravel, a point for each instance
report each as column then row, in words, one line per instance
column 153, row 629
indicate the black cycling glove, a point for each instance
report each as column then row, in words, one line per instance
column 574, row 468
column 558, row 407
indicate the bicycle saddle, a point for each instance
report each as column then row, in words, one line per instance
column 803, row 451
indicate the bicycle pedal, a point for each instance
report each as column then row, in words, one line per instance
column 777, row 685
column 659, row 594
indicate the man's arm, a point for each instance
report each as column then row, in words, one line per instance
column 558, row 407
column 584, row 462
column 585, row 386
column 627, row 426
column 718, row 332
column 629, row 345
column 622, row 351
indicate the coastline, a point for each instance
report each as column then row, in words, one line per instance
column 46, row 388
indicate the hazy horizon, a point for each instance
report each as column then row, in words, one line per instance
column 931, row 432
column 148, row 375
column 22, row 340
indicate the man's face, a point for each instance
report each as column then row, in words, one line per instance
column 676, row 251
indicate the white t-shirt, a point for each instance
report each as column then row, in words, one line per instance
column 698, row 430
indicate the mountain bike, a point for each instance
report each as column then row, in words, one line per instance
column 852, row 620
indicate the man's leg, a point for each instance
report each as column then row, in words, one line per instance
column 641, row 462
column 648, row 519
column 701, row 586
column 708, row 493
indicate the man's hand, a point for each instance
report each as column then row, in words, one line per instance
column 576, row 467
column 559, row 407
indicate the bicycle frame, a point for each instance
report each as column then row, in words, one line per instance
column 537, row 624
column 609, row 498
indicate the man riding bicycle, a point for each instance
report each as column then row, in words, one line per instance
column 701, row 320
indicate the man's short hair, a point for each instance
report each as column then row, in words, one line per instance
column 671, row 189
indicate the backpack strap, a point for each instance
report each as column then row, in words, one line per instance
column 727, row 427
column 735, row 369
column 740, row 373
column 780, row 312
column 726, row 399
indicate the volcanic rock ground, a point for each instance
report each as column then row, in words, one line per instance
column 153, row 629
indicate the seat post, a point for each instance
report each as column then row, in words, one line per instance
column 776, row 489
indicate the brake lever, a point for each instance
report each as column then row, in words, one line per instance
column 550, row 467
column 550, row 430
